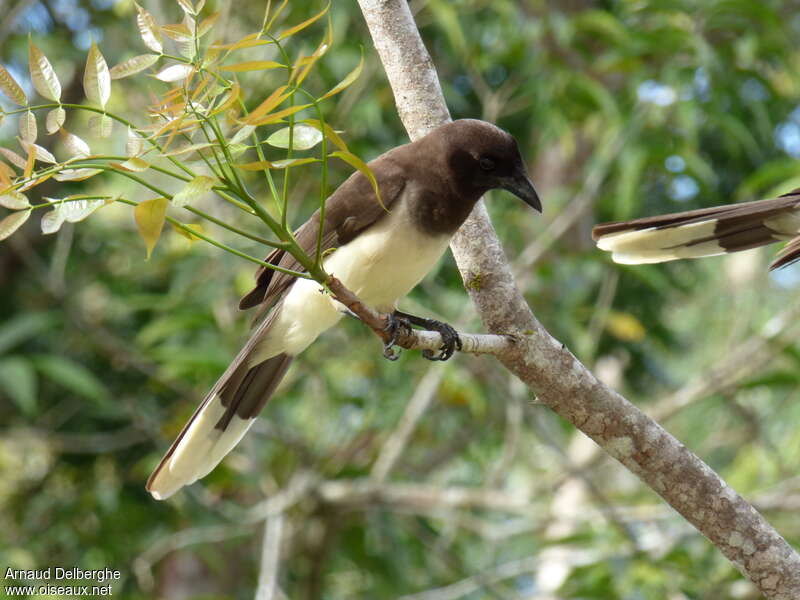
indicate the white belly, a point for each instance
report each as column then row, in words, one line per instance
column 380, row 266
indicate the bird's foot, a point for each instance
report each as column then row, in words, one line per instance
column 397, row 326
column 450, row 340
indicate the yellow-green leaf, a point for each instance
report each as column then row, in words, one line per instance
column 101, row 125
column 43, row 75
column 304, row 24
column 188, row 231
column 329, row 132
column 133, row 164
column 134, row 145
column 6, row 174
column 252, row 65
column 178, row 32
column 276, row 164
column 72, row 209
column 303, row 137
column 13, row 222
column 96, row 78
column 278, row 115
column 195, row 188
column 303, row 66
column 187, row 149
column 27, row 127
column 11, row 88
column 273, row 100
column 76, row 147
column 231, row 97
column 625, row 326
column 39, row 153
column 149, row 30
column 350, row 78
column 55, row 120
column 247, row 41
column 133, row 65
column 207, row 23
column 186, row 6
column 363, row 167
column 174, row 73
column 150, row 215
column 76, row 174
column 14, row 200
column 240, row 135
column 14, row 158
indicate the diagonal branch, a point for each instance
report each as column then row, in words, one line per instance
column 553, row 373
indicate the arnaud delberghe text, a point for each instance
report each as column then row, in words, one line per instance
column 59, row 573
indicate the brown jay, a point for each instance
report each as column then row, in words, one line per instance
column 706, row 232
column 379, row 251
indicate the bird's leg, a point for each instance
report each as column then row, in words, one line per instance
column 450, row 340
column 398, row 323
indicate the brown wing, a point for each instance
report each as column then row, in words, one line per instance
column 733, row 215
column 349, row 210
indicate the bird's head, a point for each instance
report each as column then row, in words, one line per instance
column 483, row 157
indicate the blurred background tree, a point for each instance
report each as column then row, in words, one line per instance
column 623, row 109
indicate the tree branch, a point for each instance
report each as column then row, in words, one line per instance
column 553, row 373
column 474, row 343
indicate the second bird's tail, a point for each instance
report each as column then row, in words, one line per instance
column 704, row 232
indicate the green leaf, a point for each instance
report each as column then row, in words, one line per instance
column 96, row 78
column 253, row 65
column 14, row 200
column 13, row 222
column 73, row 376
column 23, row 327
column 149, row 30
column 27, row 127
column 329, row 133
column 14, row 158
column 18, row 381
column 303, row 138
column 174, row 73
column 134, row 145
column 197, row 187
column 277, row 164
column 55, row 120
column 11, row 88
column 133, row 65
column 363, row 167
column 70, row 210
column 76, row 147
column 100, row 125
column 76, row 174
column 150, row 216
column 43, row 75
column 133, row 164
column 41, row 154
column 350, row 78
column 299, row 27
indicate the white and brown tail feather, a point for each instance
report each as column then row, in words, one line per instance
column 706, row 232
column 221, row 420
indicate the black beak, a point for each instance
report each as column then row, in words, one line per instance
column 519, row 185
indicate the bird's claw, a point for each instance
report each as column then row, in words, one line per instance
column 395, row 327
column 450, row 340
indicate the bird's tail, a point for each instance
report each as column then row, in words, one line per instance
column 703, row 232
column 221, row 420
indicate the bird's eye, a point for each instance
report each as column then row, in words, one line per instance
column 487, row 164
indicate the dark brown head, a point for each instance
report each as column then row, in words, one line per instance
column 483, row 157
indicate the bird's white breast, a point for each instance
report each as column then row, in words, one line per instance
column 387, row 260
column 381, row 265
